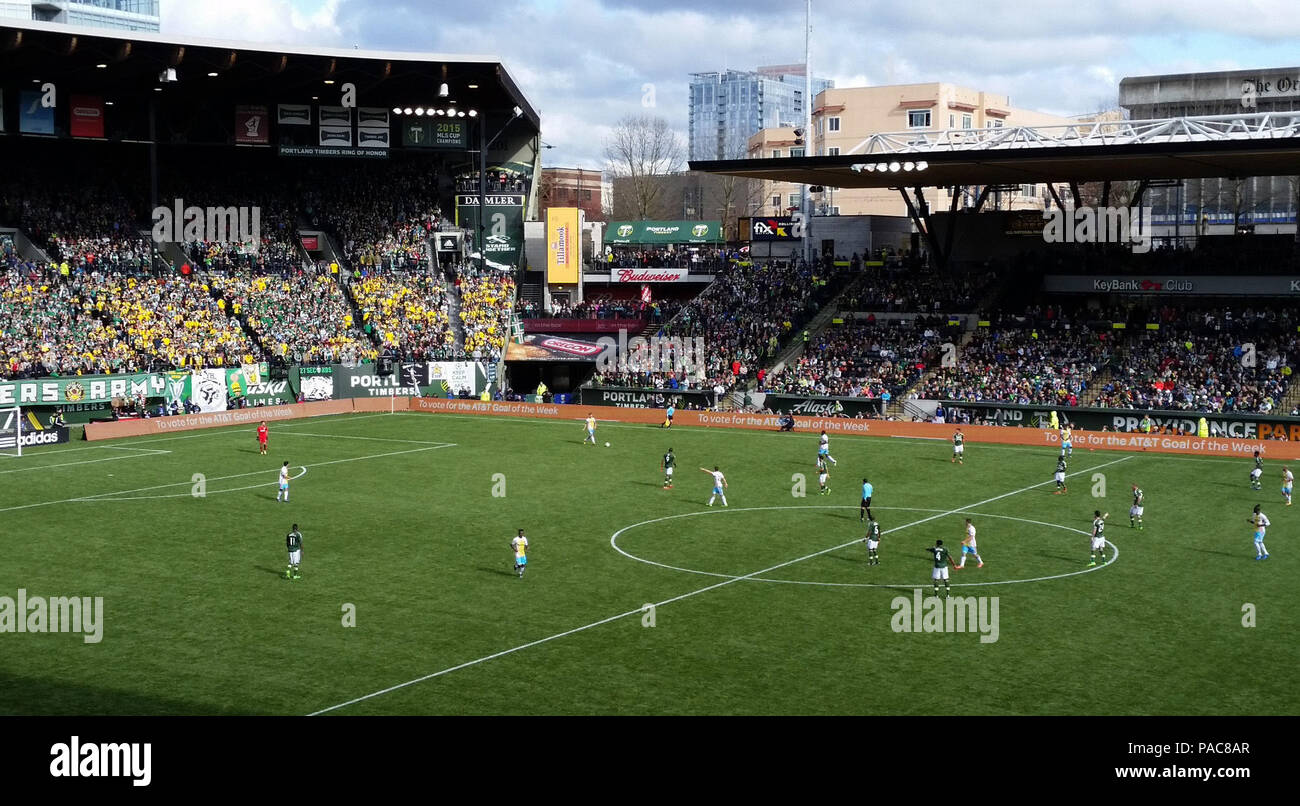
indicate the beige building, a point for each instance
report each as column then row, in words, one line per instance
column 844, row 119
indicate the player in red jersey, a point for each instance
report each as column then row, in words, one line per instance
column 262, row 437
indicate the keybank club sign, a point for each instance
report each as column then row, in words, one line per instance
column 1210, row 285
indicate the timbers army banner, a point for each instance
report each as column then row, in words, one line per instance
column 81, row 389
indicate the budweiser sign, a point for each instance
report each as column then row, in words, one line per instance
column 634, row 276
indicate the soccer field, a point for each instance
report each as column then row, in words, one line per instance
column 765, row 607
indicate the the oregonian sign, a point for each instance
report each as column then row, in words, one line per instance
column 1211, row 285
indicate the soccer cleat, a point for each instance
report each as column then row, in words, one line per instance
column 981, row 565
column 1091, row 564
column 1266, row 556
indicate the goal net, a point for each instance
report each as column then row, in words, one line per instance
column 11, row 432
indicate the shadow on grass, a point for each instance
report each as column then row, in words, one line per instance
column 497, row 571
column 271, row 571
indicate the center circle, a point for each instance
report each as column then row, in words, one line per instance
column 755, row 576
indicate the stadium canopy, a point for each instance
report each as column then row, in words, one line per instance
column 212, row 75
column 1263, row 144
column 663, row 233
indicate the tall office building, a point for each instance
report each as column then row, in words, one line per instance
column 126, row 15
column 726, row 107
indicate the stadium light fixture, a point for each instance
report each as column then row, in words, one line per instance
column 213, row 74
column 473, row 86
column 907, row 166
column 419, row 111
column 443, row 90
column 894, row 166
column 406, row 111
column 518, row 112
column 460, row 114
column 922, row 165
column 397, row 110
column 102, row 66
column 329, row 81
column 473, row 113
column 167, row 76
column 441, row 112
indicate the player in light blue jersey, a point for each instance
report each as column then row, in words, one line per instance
column 865, row 510
column 1261, row 523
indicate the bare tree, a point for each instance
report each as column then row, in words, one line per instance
column 638, row 151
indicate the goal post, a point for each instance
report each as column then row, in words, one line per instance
column 11, row 431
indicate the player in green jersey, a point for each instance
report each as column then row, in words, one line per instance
column 667, row 464
column 293, row 542
column 873, row 542
column 1060, row 476
column 942, row 559
column 1139, row 505
column 1098, row 537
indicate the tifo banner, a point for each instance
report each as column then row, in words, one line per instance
column 86, row 116
column 663, row 232
column 180, row 387
column 643, row 398
column 251, row 125
column 822, row 406
column 32, row 117
column 315, row 383
column 245, row 375
column 1137, row 285
column 563, row 249
column 503, row 234
column 293, row 115
column 81, row 389
column 552, row 348
column 1222, row 424
column 210, row 390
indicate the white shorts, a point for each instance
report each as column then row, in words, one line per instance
column 1135, row 512
column 871, row 544
column 1256, row 473
column 958, row 448
column 668, row 471
column 295, row 557
column 822, row 479
column 1098, row 543
column 940, row 573
column 1060, row 477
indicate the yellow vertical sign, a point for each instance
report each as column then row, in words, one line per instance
column 563, row 229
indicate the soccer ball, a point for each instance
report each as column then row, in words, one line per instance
column 606, row 444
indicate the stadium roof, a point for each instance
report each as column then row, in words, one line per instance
column 1177, row 148
column 253, row 72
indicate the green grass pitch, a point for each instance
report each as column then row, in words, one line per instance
column 401, row 522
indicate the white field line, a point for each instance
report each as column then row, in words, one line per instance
column 680, row 597
column 102, row 496
column 143, row 452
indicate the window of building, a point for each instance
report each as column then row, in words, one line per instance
column 918, row 118
column 998, row 123
column 796, row 152
column 776, row 200
column 586, row 195
column 965, row 121
column 952, row 121
column 794, row 200
column 833, row 124
column 776, row 153
column 833, row 151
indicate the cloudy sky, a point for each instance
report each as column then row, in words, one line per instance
column 583, row 63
